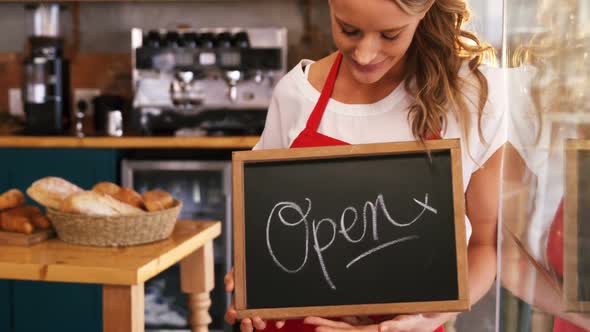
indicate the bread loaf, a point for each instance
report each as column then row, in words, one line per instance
column 11, row 199
column 52, row 191
column 93, row 203
column 108, row 188
column 156, row 200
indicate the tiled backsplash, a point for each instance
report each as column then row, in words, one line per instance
column 105, row 26
column 102, row 55
column 105, row 32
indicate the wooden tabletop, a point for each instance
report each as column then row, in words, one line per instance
column 132, row 142
column 55, row 260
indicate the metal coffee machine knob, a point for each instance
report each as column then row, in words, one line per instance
column 232, row 78
column 184, row 91
column 80, row 115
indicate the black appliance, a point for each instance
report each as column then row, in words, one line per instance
column 205, row 81
column 46, row 76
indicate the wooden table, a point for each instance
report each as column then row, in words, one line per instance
column 123, row 271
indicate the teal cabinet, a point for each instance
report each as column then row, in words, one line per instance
column 54, row 306
column 27, row 306
column 5, row 305
column 84, row 167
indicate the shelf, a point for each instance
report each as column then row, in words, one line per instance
column 226, row 142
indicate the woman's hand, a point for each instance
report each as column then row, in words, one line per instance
column 246, row 324
column 401, row 323
column 348, row 323
column 414, row 323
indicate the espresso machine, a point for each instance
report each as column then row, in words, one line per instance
column 206, row 81
column 46, row 75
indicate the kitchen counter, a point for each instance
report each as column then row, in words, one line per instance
column 130, row 142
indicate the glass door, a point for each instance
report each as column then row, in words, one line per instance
column 204, row 187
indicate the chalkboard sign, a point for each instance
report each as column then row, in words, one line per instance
column 577, row 226
column 349, row 230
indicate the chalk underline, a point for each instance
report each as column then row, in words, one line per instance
column 383, row 246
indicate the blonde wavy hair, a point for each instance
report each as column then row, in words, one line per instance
column 442, row 46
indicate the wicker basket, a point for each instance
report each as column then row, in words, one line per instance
column 104, row 231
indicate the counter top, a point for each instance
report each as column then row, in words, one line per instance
column 55, row 260
column 135, row 142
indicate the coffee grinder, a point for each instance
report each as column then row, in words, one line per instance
column 46, row 75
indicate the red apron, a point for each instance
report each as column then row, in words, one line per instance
column 555, row 258
column 310, row 137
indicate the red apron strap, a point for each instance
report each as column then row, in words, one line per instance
column 432, row 136
column 316, row 115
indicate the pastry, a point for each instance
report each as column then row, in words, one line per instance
column 16, row 224
column 11, row 199
column 32, row 213
column 108, row 188
column 129, row 196
column 156, row 200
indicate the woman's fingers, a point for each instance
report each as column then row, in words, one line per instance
column 258, row 323
column 231, row 315
column 246, row 325
column 401, row 323
column 279, row 324
column 352, row 320
column 325, row 322
column 229, row 281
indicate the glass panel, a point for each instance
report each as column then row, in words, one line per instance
column 545, row 189
column 203, row 197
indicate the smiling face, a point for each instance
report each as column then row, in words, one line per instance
column 373, row 36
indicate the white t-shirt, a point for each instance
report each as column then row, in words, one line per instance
column 384, row 121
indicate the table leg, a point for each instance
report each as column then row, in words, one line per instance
column 123, row 308
column 197, row 279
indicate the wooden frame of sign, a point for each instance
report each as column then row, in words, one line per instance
column 571, row 227
column 244, row 158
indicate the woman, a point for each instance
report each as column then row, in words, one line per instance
column 405, row 70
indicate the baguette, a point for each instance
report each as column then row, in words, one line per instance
column 52, row 191
column 11, row 199
column 93, row 203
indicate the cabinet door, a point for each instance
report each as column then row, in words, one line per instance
column 5, row 285
column 5, row 305
column 45, row 306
